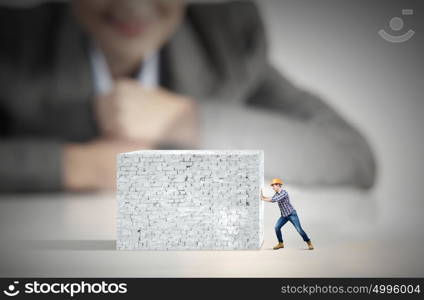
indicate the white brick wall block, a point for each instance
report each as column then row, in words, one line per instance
column 190, row 199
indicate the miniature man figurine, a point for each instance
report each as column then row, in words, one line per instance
column 288, row 213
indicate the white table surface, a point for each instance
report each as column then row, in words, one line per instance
column 74, row 235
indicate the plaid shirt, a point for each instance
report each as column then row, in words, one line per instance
column 283, row 201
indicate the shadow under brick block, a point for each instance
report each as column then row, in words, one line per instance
column 190, row 200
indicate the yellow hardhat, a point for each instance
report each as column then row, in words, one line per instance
column 276, row 180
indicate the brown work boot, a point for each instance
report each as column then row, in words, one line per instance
column 310, row 246
column 278, row 246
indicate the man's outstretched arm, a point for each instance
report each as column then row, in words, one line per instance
column 302, row 137
column 268, row 199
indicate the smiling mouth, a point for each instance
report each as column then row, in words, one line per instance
column 129, row 28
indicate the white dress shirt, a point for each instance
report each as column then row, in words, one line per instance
column 148, row 74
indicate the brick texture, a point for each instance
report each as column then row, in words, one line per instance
column 190, row 199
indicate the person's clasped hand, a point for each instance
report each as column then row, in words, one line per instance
column 154, row 116
column 130, row 117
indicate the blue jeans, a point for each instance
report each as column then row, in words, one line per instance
column 294, row 219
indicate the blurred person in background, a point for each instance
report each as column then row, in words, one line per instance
column 85, row 80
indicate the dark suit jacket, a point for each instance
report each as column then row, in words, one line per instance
column 218, row 56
